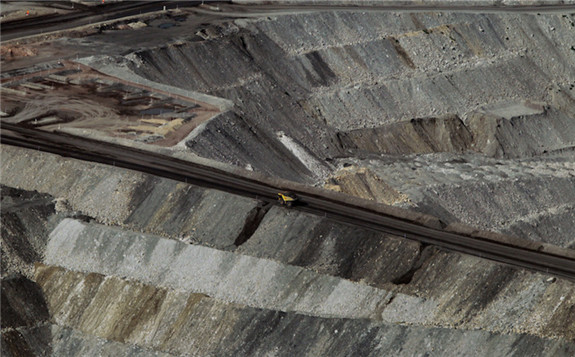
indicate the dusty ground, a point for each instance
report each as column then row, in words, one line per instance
column 75, row 96
column 18, row 10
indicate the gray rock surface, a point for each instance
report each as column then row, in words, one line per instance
column 142, row 202
column 23, row 303
column 403, row 282
column 445, row 289
column 507, row 77
column 529, row 198
column 466, row 116
column 241, row 279
column 328, row 247
column 194, row 324
column 25, row 227
column 54, row 340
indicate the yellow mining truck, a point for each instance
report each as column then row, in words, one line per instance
column 287, row 199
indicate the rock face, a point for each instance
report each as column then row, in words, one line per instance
column 417, row 136
column 196, row 324
column 519, row 197
column 24, row 230
column 223, row 275
column 131, row 199
column 295, row 284
column 374, row 69
column 23, row 303
column 468, row 117
column 511, row 132
column 364, row 183
column 389, row 84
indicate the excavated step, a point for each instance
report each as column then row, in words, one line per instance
column 107, row 314
column 224, row 275
column 54, row 340
column 123, row 197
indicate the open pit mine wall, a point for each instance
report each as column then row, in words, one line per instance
column 184, row 323
column 297, row 273
column 415, row 295
column 497, row 84
column 158, row 288
column 350, row 100
column 376, row 72
column 145, row 205
column 365, row 3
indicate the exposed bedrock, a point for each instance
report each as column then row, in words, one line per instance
column 468, row 117
column 508, row 205
column 417, row 136
column 495, row 297
column 394, row 83
column 166, row 308
column 357, row 282
column 511, row 131
column 24, row 308
column 23, row 303
column 25, row 226
column 54, row 340
column 328, row 247
column 231, row 139
column 262, row 108
column 438, row 289
column 195, row 324
column 553, row 225
column 223, row 275
column 288, row 50
column 123, row 197
column 212, row 218
column 529, row 198
column 363, row 182
column 505, row 130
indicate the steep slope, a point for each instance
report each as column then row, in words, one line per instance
column 466, row 116
column 111, row 288
column 393, row 84
column 24, row 229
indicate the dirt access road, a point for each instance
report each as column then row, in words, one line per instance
column 206, row 176
column 258, row 10
column 86, row 15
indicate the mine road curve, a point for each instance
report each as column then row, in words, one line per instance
column 84, row 16
column 210, row 177
column 271, row 9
